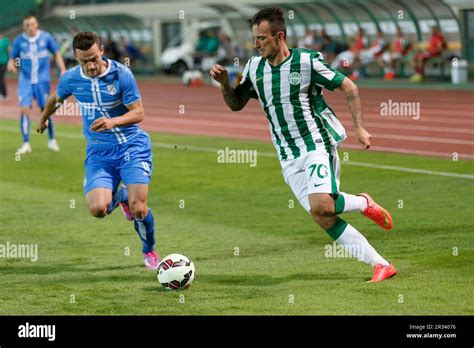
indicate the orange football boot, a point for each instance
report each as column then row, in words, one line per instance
column 377, row 213
column 382, row 272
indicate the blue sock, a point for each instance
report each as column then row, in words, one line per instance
column 146, row 231
column 25, row 127
column 120, row 196
column 50, row 129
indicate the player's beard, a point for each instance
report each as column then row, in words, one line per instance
column 263, row 54
column 31, row 32
column 90, row 73
column 268, row 55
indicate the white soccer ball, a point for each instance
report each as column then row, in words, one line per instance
column 176, row 271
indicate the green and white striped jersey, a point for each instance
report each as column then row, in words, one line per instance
column 291, row 94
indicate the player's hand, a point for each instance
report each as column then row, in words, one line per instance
column 102, row 124
column 42, row 126
column 219, row 73
column 11, row 67
column 363, row 137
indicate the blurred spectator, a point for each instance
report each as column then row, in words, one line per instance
column 207, row 46
column 4, row 50
column 66, row 51
column 437, row 45
column 360, row 42
column 318, row 41
column 110, row 49
column 228, row 50
column 364, row 57
column 389, row 60
column 65, row 48
column 307, row 41
column 129, row 52
column 329, row 47
column 346, row 58
column 311, row 40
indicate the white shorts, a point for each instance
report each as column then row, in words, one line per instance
column 389, row 56
column 366, row 57
column 313, row 172
column 343, row 59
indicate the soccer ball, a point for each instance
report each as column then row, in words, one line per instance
column 176, row 271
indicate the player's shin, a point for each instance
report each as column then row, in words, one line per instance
column 50, row 129
column 146, row 231
column 345, row 202
column 354, row 243
column 25, row 127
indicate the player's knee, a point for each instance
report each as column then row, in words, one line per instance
column 322, row 209
column 98, row 210
column 138, row 209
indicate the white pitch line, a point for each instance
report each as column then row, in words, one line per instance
column 409, row 170
column 408, row 151
column 271, row 154
column 419, row 139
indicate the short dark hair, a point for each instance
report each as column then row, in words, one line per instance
column 85, row 40
column 28, row 16
column 274, row 16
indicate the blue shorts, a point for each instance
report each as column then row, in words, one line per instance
column 28, row 91
column 130, row 162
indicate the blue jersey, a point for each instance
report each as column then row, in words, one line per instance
column 34, row 56
column 103, row 96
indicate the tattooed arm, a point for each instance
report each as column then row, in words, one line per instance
column 352, row 95
column 235, row 98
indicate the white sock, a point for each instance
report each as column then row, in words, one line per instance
column 350, row 202
column 354, row 242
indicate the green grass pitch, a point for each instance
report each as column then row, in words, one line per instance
column 280, row 269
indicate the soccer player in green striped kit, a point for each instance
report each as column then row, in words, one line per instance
column 306, row 133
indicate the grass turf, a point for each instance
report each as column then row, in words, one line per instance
column 83, row 266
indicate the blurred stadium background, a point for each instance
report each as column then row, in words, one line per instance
column 165, row 33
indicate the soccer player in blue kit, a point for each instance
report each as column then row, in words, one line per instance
column 117, row 149
column 30, row 52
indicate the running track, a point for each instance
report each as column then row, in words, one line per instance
column 445, row 125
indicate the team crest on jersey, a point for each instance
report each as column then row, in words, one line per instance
column 294, row 78
column 111, row 89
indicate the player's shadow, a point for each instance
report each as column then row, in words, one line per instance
column 259, row 279
column 262, row 279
